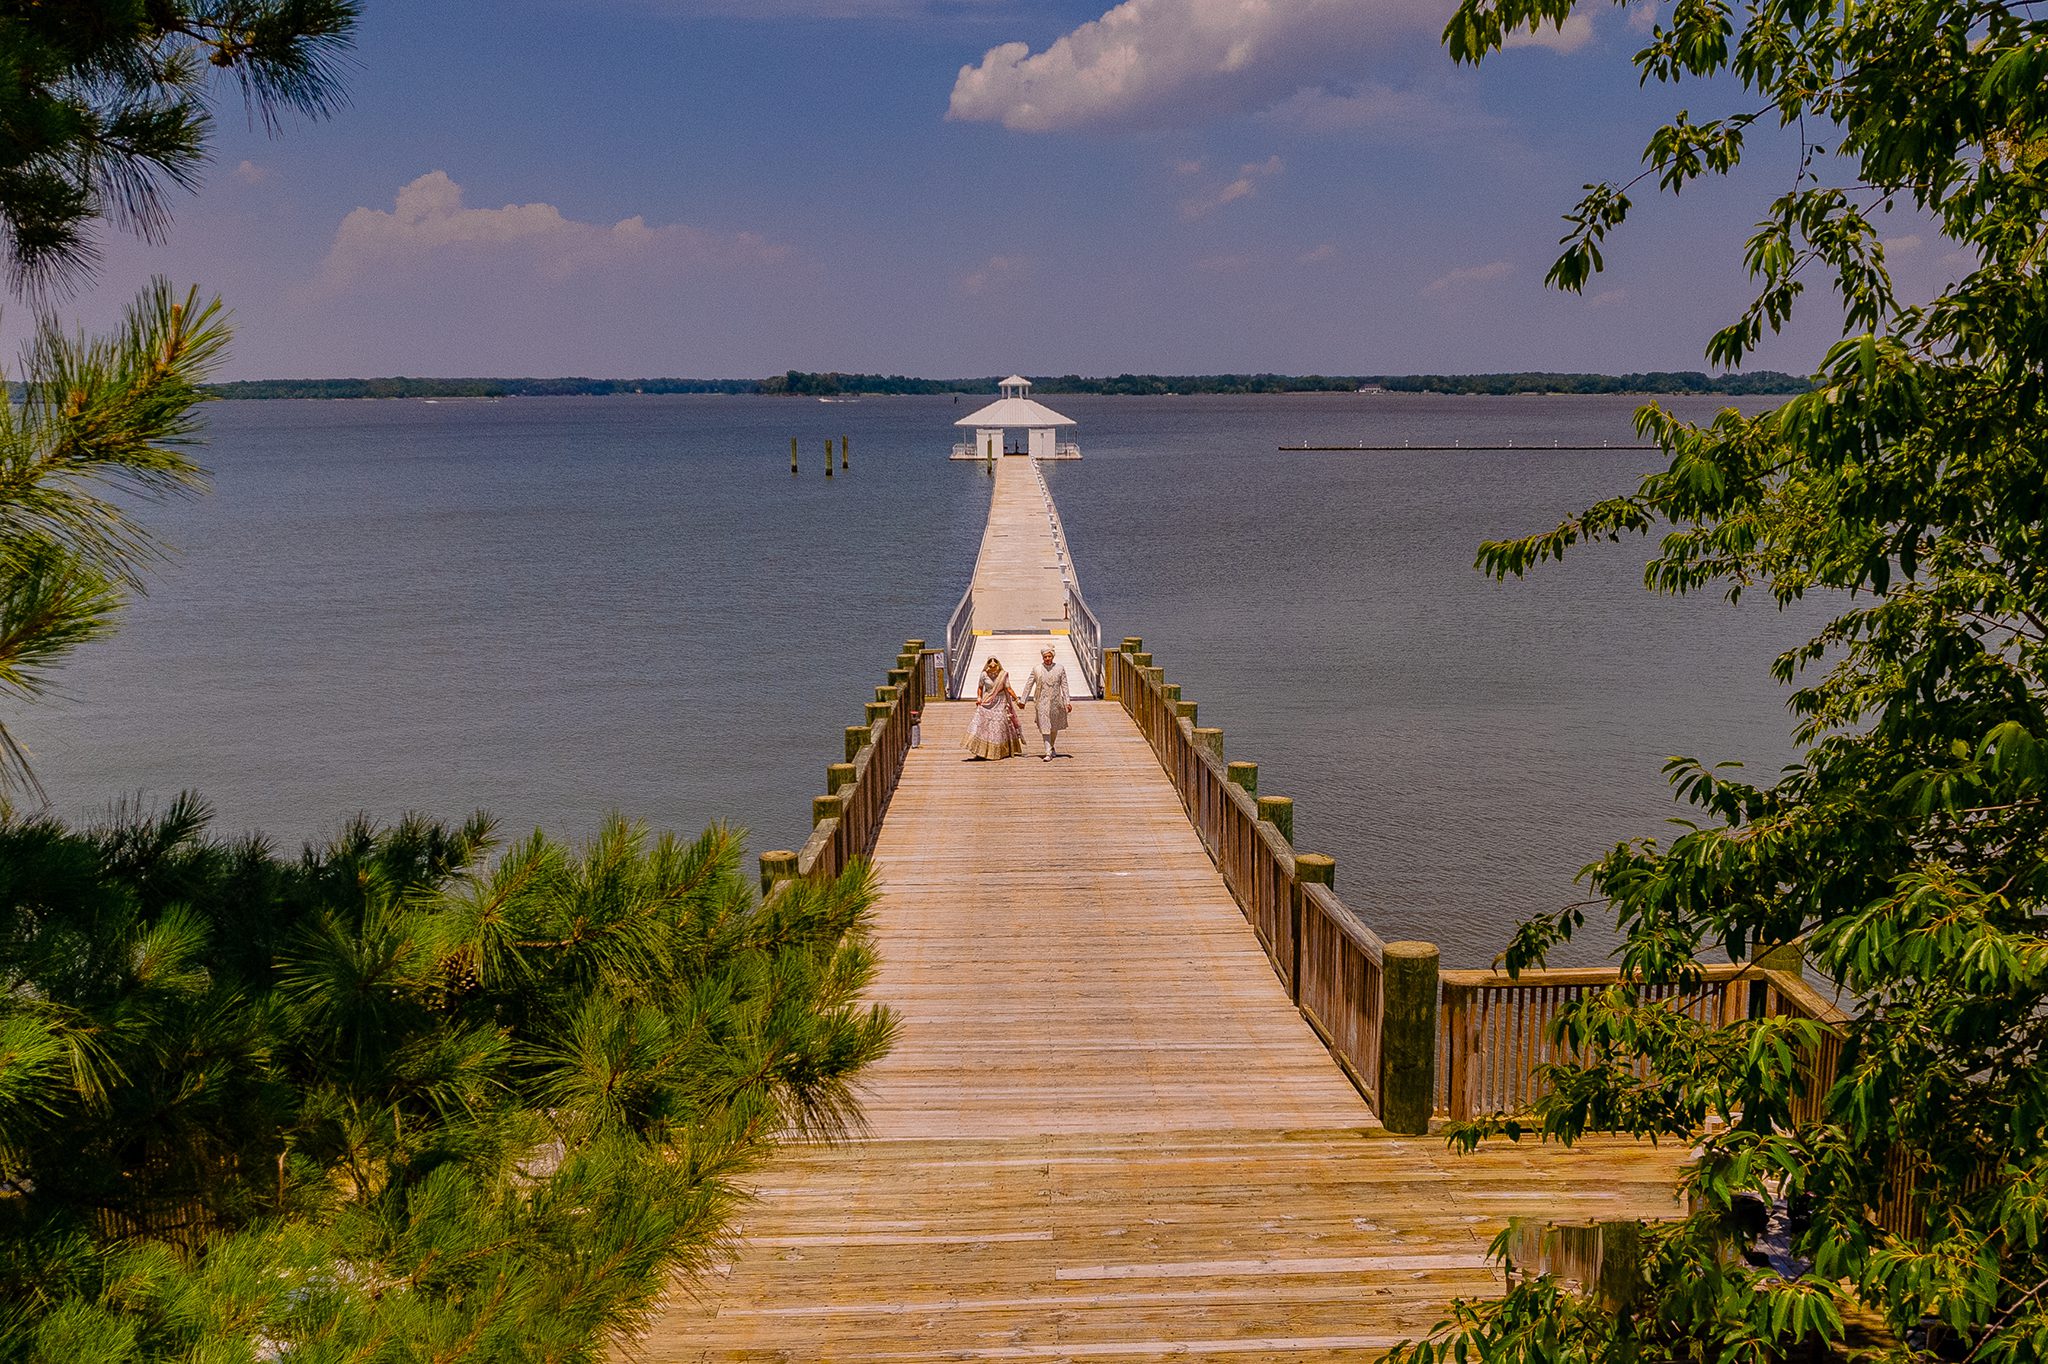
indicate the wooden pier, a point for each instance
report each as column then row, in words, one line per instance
column 1131, row 1112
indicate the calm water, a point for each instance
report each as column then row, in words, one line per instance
column 551, row 609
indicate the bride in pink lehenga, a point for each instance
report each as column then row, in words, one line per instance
column 995, row 731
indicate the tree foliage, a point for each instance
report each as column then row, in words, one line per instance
column 98, row 425
column 104, row 109
column 1908, row 846
column 398, row 1098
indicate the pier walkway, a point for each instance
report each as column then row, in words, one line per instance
column 1109, row 1130
column 1024, row 592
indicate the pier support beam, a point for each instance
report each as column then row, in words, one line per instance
column 1407, row 1079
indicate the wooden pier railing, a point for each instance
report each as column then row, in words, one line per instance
column 846, row 820
column 1379, row 1024
column 1416, row 1041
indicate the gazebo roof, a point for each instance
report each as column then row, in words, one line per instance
column 1015, row 412
column 1015, row 379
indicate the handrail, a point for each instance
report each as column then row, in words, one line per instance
column 847, row 819
column 959, row 642
column 1331, row 963
column 1493, row 1029
column 1085, row 633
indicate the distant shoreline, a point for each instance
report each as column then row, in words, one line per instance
column 801, row 384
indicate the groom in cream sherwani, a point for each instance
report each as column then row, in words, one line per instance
column 1047, row 688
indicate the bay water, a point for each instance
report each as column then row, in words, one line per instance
column 552, row 609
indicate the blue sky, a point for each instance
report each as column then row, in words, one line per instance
column 951, row 187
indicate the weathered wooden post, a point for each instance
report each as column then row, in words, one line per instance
column 1245, row 775
column 844, row 461
column 838, row 776
column 856, row 740
column 1171, row 691
column 1210, row 741
column 883, row 693
column 878, row 711
column 779, row 865
column 792, row 456
column 828, row 457
column 1133, row 644
column 915, row 646
column 899, row 678
column 1185, row 710
column 1140, row 659
column 1278, row 811
column 1315, row 869
column 1407, row 1079
column 824, row 808
column 1621, row 1264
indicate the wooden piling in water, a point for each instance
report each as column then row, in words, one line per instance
column 856, row 740
column 792, row 456
column 844, row 462
column 838, row 776
column 1210, row 741
column 824, row 808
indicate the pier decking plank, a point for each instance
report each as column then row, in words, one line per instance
column 1105, row 1132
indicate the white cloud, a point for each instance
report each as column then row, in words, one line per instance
column 1411, row 114
column 1146, row 61
column 807, row 9
column 429, row 222
column 1191, row 166
column 1575, row 33
column 1317, row 255
column 1243, row 187
column 1898, row 246
column 995, row 271
column 1467, row 276
column 1607, row 298
column 249, row 173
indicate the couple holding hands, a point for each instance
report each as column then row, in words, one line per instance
column 996, row 731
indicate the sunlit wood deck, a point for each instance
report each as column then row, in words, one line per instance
column 1106, row 1132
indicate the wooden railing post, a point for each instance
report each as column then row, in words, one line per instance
column 1244, row 775
column 779, row 865
column 1278, row 811
column 856, row 740
column 1407, row 1080
column 839, row 776
column 1210, row 741
column 824, row 808
column 1310, row 869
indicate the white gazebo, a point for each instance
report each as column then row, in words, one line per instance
column 1015, row 410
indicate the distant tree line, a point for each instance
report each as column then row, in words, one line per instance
column 825, row 384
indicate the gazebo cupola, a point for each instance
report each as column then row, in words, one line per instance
column 1016, row 410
